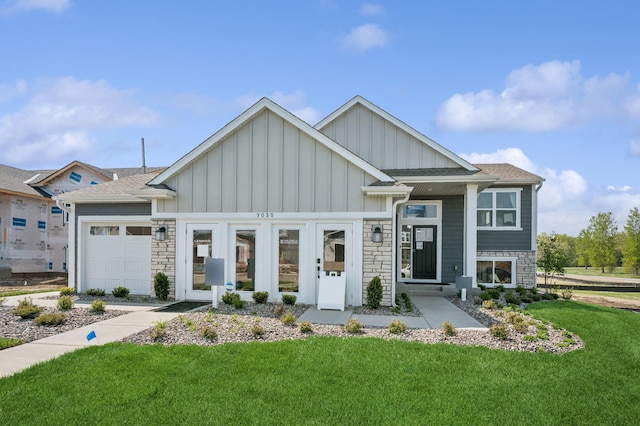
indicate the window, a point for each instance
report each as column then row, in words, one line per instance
column 139, row 230
column 288, row 260
column 499, row 209
column 245, row 259
column 496, row 272
column 420, row 211
column 105, row 230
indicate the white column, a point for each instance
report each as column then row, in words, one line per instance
column 471, row 232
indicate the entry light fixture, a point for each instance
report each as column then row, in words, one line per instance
column 376, row 233
column 161, row 233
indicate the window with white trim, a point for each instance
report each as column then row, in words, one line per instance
column 499, row 209
column 497, row 271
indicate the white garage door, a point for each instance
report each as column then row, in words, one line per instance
column 117, row 255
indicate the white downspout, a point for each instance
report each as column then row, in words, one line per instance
column 534, row 218
column 394, row 238
column 71, row 245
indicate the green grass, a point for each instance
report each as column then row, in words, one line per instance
column 8, row 342
column 597, row 272
column 22, row 292
column 326, row 380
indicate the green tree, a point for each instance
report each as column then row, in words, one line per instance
column 602, row 248
column 631, row 242
column 568, row 245
column 583, row 242
column 552, row 256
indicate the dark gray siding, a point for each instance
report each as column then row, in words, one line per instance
column 452, row 237
column 124, row 209
column 510, row 240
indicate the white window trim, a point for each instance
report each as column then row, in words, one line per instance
column 514, row 269
column 494, row 227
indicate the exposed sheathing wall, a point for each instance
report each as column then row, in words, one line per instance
column 376, row 259
column 163, row 254
column 74, row 178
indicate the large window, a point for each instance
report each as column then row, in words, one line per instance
column 499, row 209
column 496, row 272
column 288, row 260
column 245, row 259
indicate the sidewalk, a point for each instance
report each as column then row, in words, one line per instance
column 435, row 310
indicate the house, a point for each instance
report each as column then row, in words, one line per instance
column 297, row 209
column 34, row 228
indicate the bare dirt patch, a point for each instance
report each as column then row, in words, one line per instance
column 32, row 283
column 611, row 302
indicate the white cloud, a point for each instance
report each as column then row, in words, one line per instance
column 18, row 6
column 513, row 156
column 58, row 117
column 295, row 102
column 365, row 37
column 8, row 91
column 370, row 9
column 546, row 97
column 634, row 147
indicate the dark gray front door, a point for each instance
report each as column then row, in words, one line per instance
column 425, row 252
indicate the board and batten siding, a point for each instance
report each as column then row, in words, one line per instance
column 510, row 240
column 269, row 165
column 381, row 143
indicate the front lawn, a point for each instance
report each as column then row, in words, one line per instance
column 597, row 272
column 343, row 381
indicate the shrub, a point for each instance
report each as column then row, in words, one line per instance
column 448, row 329
column 67, row 291
column 408, row 306
column 257, row 330
column 239, row 303
column 567, row 293
column 526, row 299
column 288, row 318
column 499, row 331
column 209, row 332
column 374, row 293
column 529, row 338
column 500, row 288
column 397, row 327
column 99, row 292
column 494, row 293
column 509, row 297
column 122, row 292
column 161, row 285
column 98, row 306
column 536, row 297
column 550, row 296
column 65, row 303
column 353, row 326
column 158, row 330
column 278, row 311
column 260, row 297
column 489, row 304
column 230, row 298
column 482, row 287
column 51, row 319
column 289, row 299
column 305, row 327
column 521, row 290
column 9, row 342
column 26, row 309
column 485, row 295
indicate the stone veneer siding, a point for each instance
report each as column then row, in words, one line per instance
column 376, row 259
column 525, row 265
column 163, row 254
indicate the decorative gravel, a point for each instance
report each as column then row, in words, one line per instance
column 16, row 327
column 259, row 323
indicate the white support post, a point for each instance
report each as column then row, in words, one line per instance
column 471, row 232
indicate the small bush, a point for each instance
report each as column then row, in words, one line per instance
column 239, row 303
column 489, row 304
column 230, row 298
column 499, row 331
column 305, row 327
column 397, row 327
column 260, row 297
column 536, row 297
column 97, row 292
column 278, row 311
column 257, row 330
column 529, row 338
column 485, row 296
column 50, row 319
column 353, row 326
column 9, row 342
column 567, row 293
column 521, row 290
column 289, row 299
column 526, row 299
column 542, row 334
column 26, row 309
column 161, row 285
column 98, row 306
column 509, row 297
column 482, row 287
column 448, row 329
column 374, row 293
column 288, row 318
column 408, row 306
column 67, row 291
column 500, row 288
column 158, row 330
column 494, row 293
column 121, row 292
column 209, row 332
column 65, row 303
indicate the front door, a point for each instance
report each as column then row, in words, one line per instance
column 333, row 264
column 200, row 245
column 425, row 252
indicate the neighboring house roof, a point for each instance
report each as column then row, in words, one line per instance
column 400, row 124
column 129, row 189
column 49, row 178
column 15, row 181
column 259, row 106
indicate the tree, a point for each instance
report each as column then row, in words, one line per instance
column 602, row 248
column 583, row 242
column 552, row 257
column 631, row 242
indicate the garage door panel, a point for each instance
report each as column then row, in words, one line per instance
column 117, row 260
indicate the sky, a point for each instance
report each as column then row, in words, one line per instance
column 552, row 87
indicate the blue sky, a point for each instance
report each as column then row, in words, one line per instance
column 552, row 87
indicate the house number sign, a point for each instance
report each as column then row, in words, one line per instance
column 264, row 215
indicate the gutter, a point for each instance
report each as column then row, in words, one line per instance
column 394, row 237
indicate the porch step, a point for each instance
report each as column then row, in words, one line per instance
column 433, row 290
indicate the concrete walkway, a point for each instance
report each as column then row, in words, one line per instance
column 435, row 311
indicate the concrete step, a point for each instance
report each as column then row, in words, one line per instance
column 429, row 290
